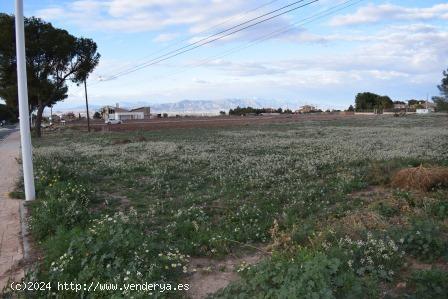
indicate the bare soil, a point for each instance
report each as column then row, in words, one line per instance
column 211, row 275
column 206, row 122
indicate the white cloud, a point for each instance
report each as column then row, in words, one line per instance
column 394, row 58
column 165, row 37
column 200, row 81
column 400, row 61
column 244, row 69
column 51, row 13
column 388, row 12
column 150, row 15
column 396, row 53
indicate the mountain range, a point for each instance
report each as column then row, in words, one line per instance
column 196, row 106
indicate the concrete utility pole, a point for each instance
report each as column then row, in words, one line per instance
column 25, row 136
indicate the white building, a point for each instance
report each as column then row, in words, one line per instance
column 117, row 113
column 424, row 111
column 146, row 111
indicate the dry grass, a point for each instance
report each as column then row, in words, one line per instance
column 366, row 220
column 121, row 141
column 280, row 240
column 420, row 178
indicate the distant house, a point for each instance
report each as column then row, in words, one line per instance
column 55, row 118
column 416, row 104
column 146, row 111
column 400, row 105
column 426, row 107
column 117, row 113
column 69, row 116
column 431, row 106
column 424, row 111
column 306, row 109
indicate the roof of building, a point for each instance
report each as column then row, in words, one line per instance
column 140, row 108
column 117, row 109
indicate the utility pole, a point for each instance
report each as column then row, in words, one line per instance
column 25, row 136
column 87, row 106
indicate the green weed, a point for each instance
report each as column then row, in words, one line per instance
column 430, row 284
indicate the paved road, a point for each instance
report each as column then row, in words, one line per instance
column 6, row 130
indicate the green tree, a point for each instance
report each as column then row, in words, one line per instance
column 97, row 115
column 384, row 102
column 249, row 110
column 442, row 101
column 415, row 104
column 53, row 56
column 443, row 87
column 369, row 101
column 89, row 60
column 6, row 113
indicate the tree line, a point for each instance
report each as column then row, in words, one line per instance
column 368, row 101
column 250, row 110
column 442, row 100
column 54, row 57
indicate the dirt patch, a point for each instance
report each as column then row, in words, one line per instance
column 371, row 193
column 209, row 122
column 416, row 265
column 420, row 178
column 122, row 203
column 211, row 275
column 121, row 141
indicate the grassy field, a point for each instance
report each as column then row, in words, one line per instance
column 314, row 196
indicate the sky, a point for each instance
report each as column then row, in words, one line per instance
column 396, row 48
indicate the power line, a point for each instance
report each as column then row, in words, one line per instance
column 224, row 31
column 124, row 68
column 121, row 69
column 176, row 53
column 330, row 11
column 302, row 22
column 204, row 40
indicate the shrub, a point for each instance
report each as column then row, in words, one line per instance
column 371, row 256
column 54, row 169
column 430, row 284
column 114, row 249
column 190, row 230
column 379, row 173
column 423, row 241
column 407, row 196
column 64, row 204
column 439, row 209
column 387, row 210
column 248, row 223
column 305, row 275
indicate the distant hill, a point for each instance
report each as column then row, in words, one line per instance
column 204, row 106
column 198, row 106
